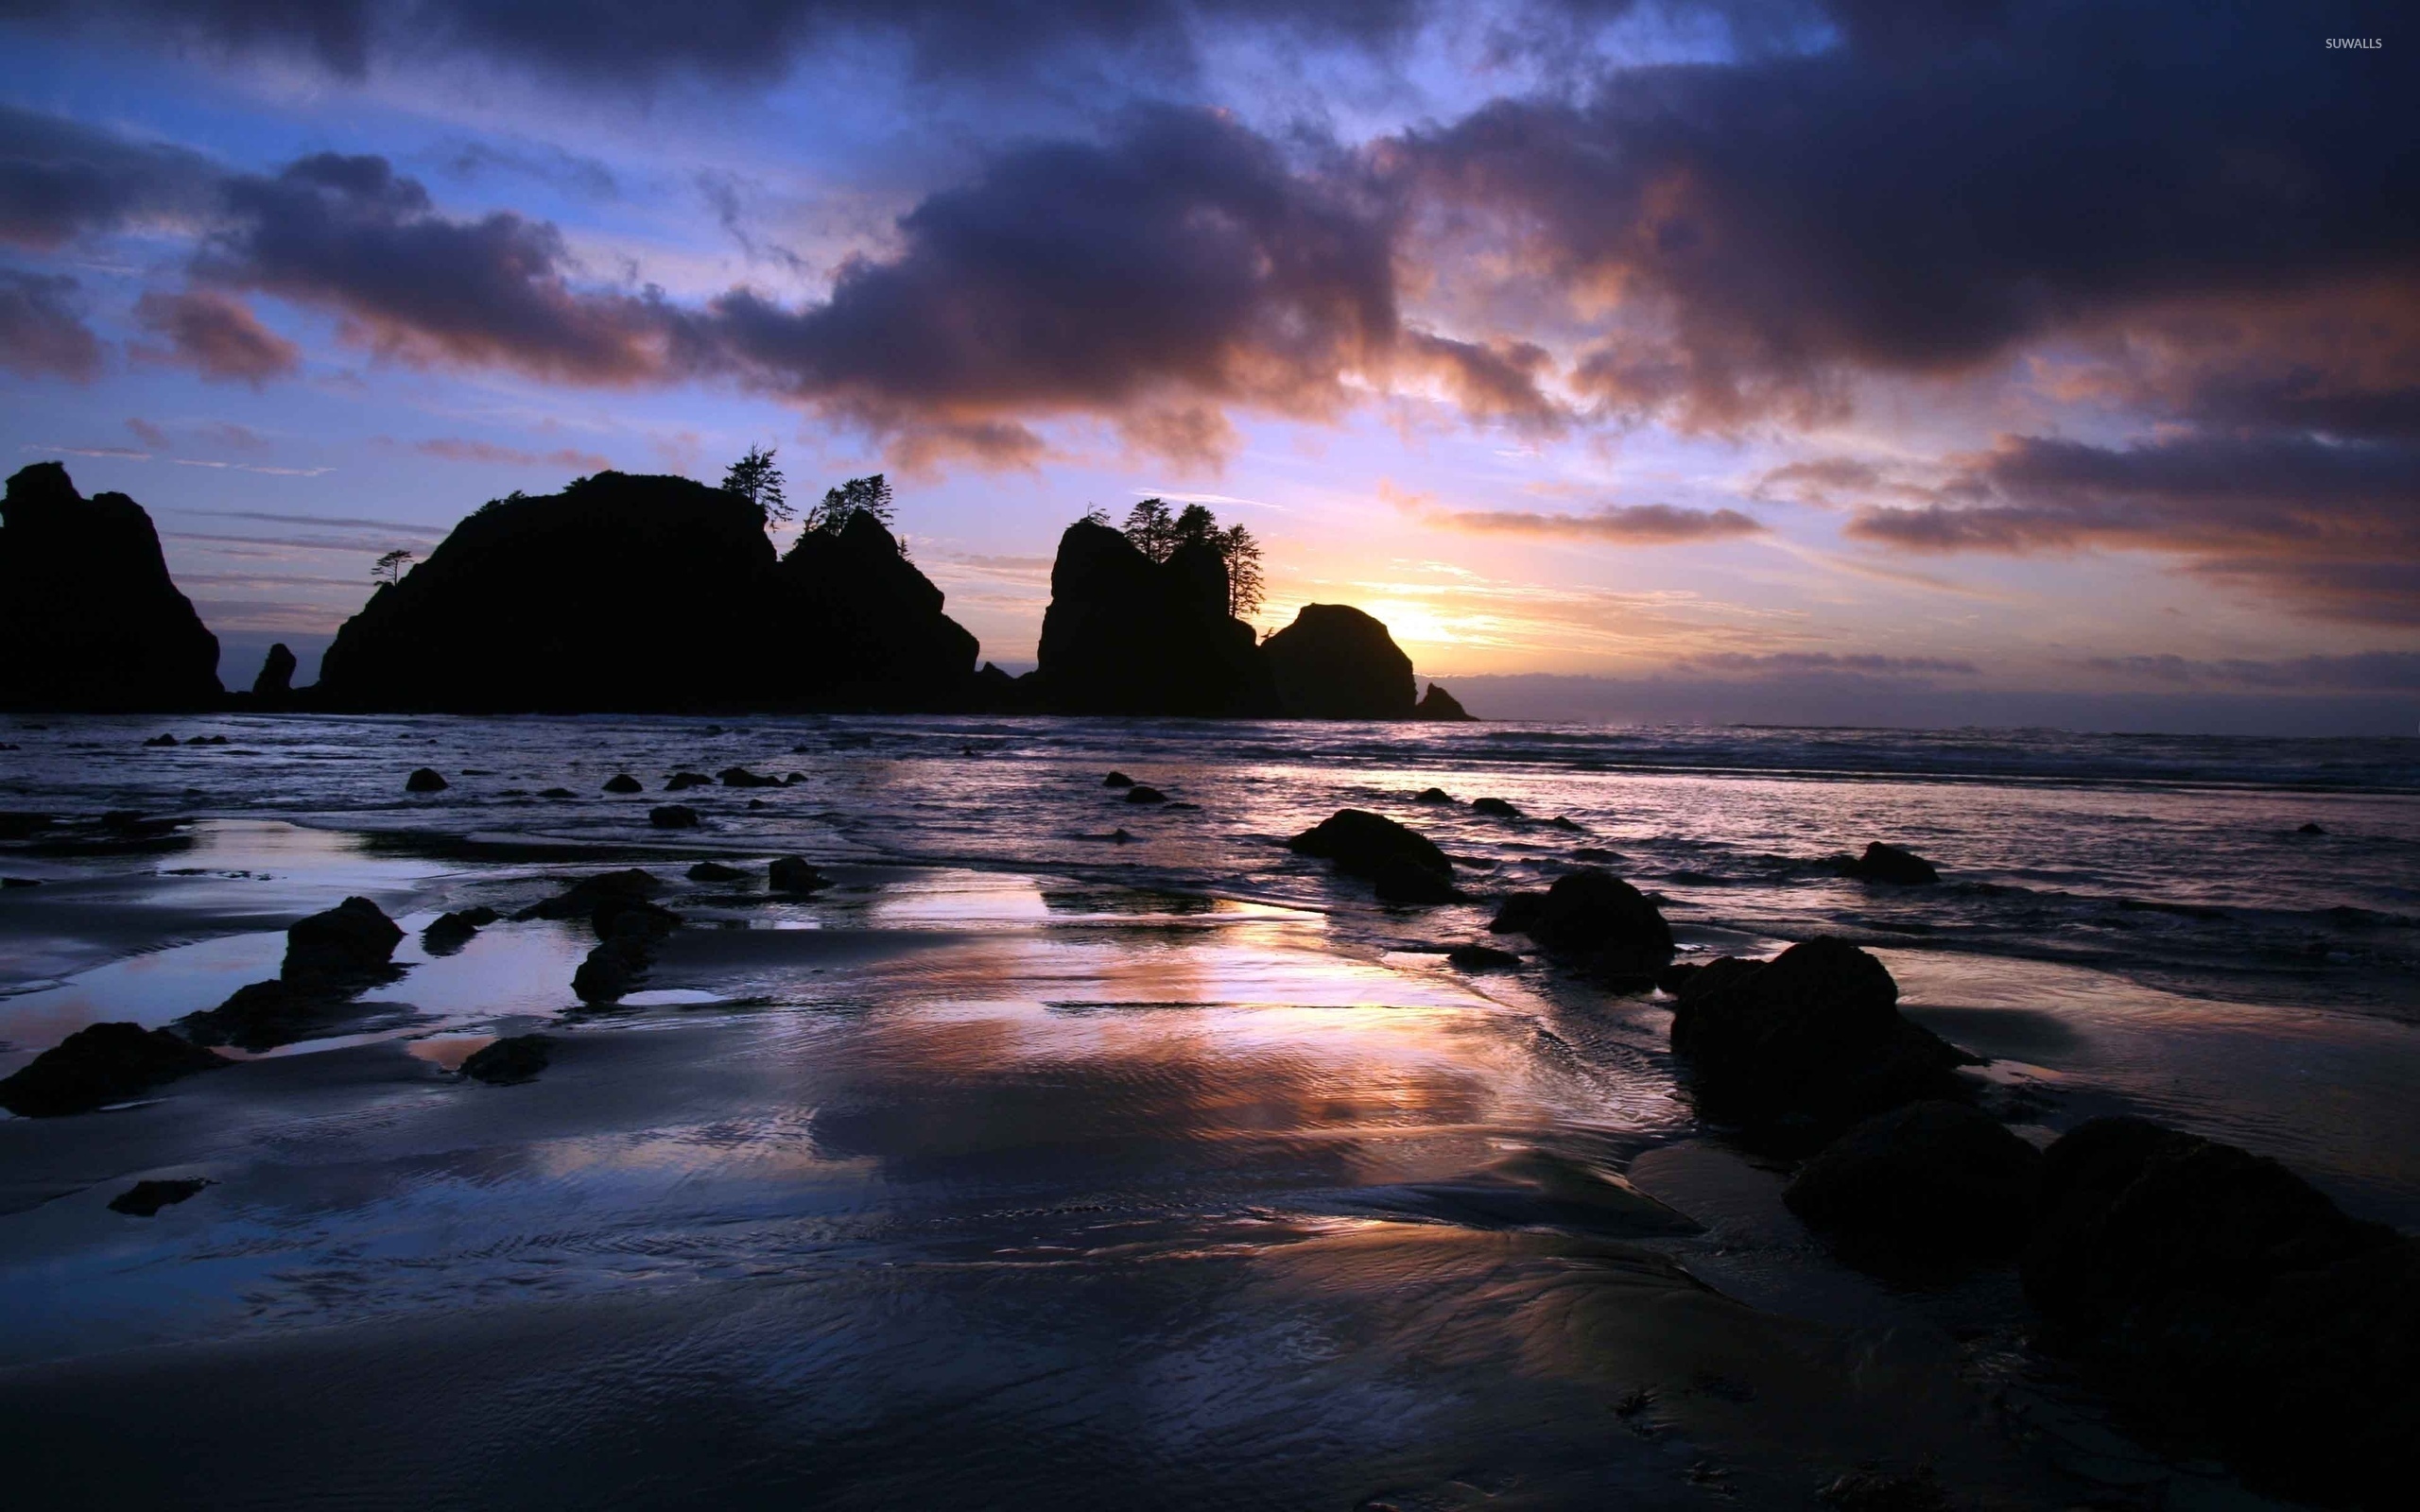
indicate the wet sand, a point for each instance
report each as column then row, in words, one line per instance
column 986, row 1188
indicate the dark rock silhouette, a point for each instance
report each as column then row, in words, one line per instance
column 1145, row 793
column 1806, row 1043
column 623, row 782
column 425, row 780
column 1594, row 920
column 2217, row 1287
column 1933, row 1183
column 673, row 816
column 1438, row 704
column 451, row 931
column 2311, row 828
column 511, row 1060
column 101, row 1064
column 683, row 782
column 275, row 684
column 1336, row 662
column 1127, row 635
column 145, row 1199
column 716, row 872
column 1482, row 959
column 1494, row 808
column 1888, row 862
column 88, row 615
column 533, row 604
column 331, row 957
column 1405, row 865
column 1434, row 795
column 742, row 777
column 1118, row 780
column 619, row 908
column 795, row 874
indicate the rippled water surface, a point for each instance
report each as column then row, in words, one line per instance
column 1028, row 1165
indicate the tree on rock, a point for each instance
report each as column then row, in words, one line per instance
column 756, row 478
column 867, row 496
column 392, row 567
column 1160, row 534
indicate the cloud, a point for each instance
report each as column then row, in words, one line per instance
column 1638, row 524
column 149, row 434
column 453, row 450
column 2333, row 526
column 401, row 526
column 1863, row 663
column 41, row 333
column 59, row 180
column 2361, row 671
column 215, row 336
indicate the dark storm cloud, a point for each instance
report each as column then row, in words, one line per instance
column 729, row 41
column 2334, row 525
column 351, row 234
column 215, row 336
column 1180, row 263
column 41, row 333
column 59, row 178
column 1774, row 226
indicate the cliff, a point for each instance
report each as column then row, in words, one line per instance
column 1336, row 662
column 88, row 614
column 1127, row 635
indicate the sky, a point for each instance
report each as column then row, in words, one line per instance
column 1830, row 361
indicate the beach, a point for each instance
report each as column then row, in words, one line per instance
column 1023, row 1165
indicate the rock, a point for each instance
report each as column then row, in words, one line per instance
column 598, row 897
column 1398, row 880
column 145, row 1199
column 1127, row 635
column 1806, row 1043
column 683, row 782
column 1434, row 795
column 1336, row 662
column 2216, row 1286
column 613, row 967
column 1356, row 841
column 623, row 783
column 2311, row 828
column 1438, row 704
column 1888, row 862
column 449, row 933
column 1596, row 856
column 1494, row 808
column 274, row 684
column 1868, row 1488
column 1145, row 793
column 1118, row 780
column 162, row 739
column 716, row 872
column 19, row 881
column 1594, row 920
column 1934, row 1181
column 1482, row 959
column 1564, row 821
column 101, row 1064
column 742, row 777
column 424, row 780
column 557, row 792
column 793, row 875
column 793, row 778
column 354, row 939
column 527, row 606
column 88, row 612
column 673, row 816
column 1120, row 837
column 503, row 1063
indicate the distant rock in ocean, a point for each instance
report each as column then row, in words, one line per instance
column 1127, row 635
column 629, row 594
column 1336, row 662
column 275, row 684
column 88, row 614
column 1438, row 704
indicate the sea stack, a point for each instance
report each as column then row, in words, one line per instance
column 1127, row 635
column 1336, row 662
column 87, row 611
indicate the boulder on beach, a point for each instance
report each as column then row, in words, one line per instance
column 274, row 684
column 673, row 816
column 450, row 932
column 2217, row 1287
column 1118, row 780
column 1889, row 863
column 1438, row 704
column 331, row 959
column 1336, row 662
column 1406, row 865
column 742, row 777
column 1482, row 959
column 1807, row 1042
column 424, row 780
column 795, row 874
column 1434, row 795
column 716, row 872
column 88, row 614
column 1127, row 635
column 683, row 782
column 513, row 1059
column 354, row 939
column 101, row 1064
column 623, row 782
column 1145, row 793
column 145, row 1199
column 1594, row 920
column 527, row 606
column 1494, row 808
column 1935, row 1181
